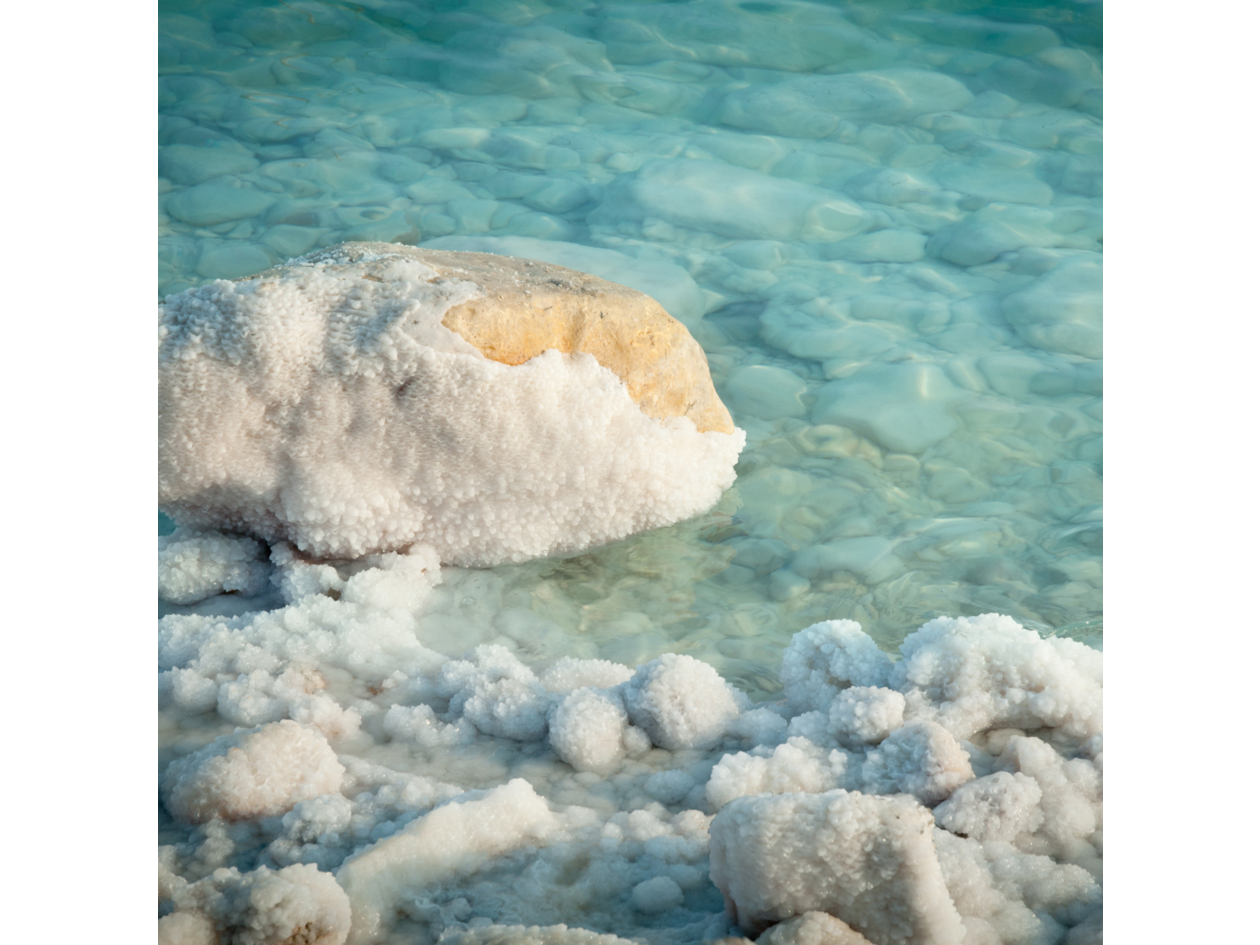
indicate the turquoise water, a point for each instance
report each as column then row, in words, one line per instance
column 888, row 221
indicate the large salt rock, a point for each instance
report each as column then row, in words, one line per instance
column 526, row 307
column 867, row 860
column 373, row 395
column 252, row 773
column 669, row 284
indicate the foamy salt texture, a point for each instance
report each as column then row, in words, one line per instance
column 325, row 403
column 490, row 796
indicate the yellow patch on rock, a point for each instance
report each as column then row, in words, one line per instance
column 527, row 307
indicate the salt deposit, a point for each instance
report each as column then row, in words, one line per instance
column 251, row 774
column 298, row 904
column 883, row 226
column 336, row 403
column 452, row 792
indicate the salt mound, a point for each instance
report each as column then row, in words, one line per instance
column 868, row 860
column 194, row 565
column 370, row 396
column 253, row 773
column 827, row 657
column 298, row 905
column 973, row 674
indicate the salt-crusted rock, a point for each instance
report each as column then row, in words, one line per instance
column 252, row 773
column 867, row 860
column 374, row 395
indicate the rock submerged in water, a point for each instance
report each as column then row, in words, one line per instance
column 372, row 395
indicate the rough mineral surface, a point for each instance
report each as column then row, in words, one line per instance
column 252, row 773
column 812, row 928
column 866, row 860
column 373, row 395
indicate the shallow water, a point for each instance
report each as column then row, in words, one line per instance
column 882, row 222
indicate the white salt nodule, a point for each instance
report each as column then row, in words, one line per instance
column 866, row 714
column 253, row 773
column 298, row 904
column 812, row 928
column 587, row 727
column 325, row 403
column 194, row 565
column 681, row 702
column 972, row 674
column 826, row 658
column 868, row 860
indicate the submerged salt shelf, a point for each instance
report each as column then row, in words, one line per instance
column 884, row 227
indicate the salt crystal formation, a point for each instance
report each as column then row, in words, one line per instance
column 950, row 797
column 373, row 395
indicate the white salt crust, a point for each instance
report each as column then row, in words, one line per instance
column 484, row 798
column 194, row 565
column 253, row 773
column 298, row 905
column 324, row 403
